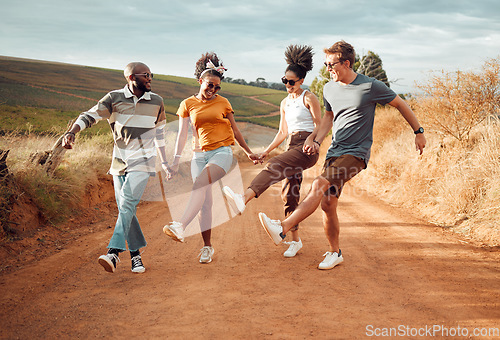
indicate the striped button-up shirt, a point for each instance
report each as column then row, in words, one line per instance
column 138, row 126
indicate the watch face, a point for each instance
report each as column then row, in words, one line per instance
column 420, row 130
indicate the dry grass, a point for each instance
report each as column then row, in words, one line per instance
column 55, row 196
column 456, row 182
column 451, row 184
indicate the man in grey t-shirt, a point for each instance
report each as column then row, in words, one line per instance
column 350, row 101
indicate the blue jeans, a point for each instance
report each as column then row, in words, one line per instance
column 128, row 192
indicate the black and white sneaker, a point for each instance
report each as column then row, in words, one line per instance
column 109, row 261
column 137, row 266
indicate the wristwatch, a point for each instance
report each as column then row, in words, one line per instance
column 420, row 130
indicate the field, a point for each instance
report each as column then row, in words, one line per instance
column 53, row 93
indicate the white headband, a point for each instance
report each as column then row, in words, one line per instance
column 211, row 66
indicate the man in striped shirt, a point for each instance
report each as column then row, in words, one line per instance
column 137, row 119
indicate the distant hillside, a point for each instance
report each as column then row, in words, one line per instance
column 43, row 96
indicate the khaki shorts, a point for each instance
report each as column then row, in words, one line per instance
column 339, row 170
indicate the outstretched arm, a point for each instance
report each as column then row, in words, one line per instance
column 280, row 136
column 241, row 141
column 180, row 143
column 410, row 117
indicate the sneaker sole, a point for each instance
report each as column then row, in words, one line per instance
column 333, row 266
column 107, row 266
column 138, row 271
column 205, row 262
column 264, row 225
column 231, row 201
column 289, row 255
column 171, row 234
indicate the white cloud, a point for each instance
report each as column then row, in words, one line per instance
column 410, row 37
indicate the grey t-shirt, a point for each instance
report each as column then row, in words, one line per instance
column 353, row 108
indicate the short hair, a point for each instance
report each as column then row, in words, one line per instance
column 345, row 51
column 201, row 66
column 130, row 68
column 299, row 59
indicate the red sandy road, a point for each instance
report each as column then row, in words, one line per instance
column 397, row 271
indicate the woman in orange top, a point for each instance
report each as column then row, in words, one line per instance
column 211, row 116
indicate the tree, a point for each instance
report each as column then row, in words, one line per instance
column 259, row 82
column 318, row 83
column 371, row 65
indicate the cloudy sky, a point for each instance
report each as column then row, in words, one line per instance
column 411, row 37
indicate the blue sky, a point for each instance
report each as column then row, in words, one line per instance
column 411, row 37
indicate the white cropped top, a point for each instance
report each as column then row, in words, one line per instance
column 297, row 115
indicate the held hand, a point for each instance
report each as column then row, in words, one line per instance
column 263, row 156
column 420, row 142
column 68, row 140
column 254, row 158
column 310, row 147
column 166, row 168
column 170, row 171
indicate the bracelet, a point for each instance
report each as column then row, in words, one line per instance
column 177, row 156
column 164, row 163
column 315, row 141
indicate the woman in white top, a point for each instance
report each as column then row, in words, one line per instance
column 300, row 113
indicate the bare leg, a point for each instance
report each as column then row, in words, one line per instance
column 205, row 218
column 249, row 195
column 308, row 205
column 201, row 186
column 331, row 221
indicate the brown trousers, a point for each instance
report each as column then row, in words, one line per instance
column 287, row 166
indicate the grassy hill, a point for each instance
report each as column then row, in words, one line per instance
column 41, row 97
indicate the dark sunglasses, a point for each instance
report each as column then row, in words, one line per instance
column 147, row 75
column 329, row 65
column 291, row 82
column 214, row 87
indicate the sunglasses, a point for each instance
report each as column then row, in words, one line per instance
column 213, row 87
column 287, row 81
column 329, row 65
column 147, row 75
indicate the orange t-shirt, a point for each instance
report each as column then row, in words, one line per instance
column 209, row 120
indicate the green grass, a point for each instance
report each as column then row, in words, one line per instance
column 274, row 98
column 42, row 96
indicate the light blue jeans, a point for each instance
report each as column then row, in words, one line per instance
column 128, row 192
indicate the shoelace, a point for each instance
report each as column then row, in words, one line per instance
column 278, row 222
column 205, row 251
column 328, row 253
column 176, row 225
column 137, row 261
column 117, row 259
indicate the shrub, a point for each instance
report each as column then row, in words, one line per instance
column 453, row 103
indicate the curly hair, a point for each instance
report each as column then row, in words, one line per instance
column 345, row 50
column 201, row 65
column 299, row 59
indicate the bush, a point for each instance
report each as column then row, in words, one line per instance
column 453, row 103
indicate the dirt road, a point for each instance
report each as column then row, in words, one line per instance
column 398, row 273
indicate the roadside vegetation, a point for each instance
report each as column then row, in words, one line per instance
column 454, row 184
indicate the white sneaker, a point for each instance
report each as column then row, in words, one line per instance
column 236, row 201
column 331, row 260
column 206, row 254
column 175, row 231
column 295, row 246
column 273, row 228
